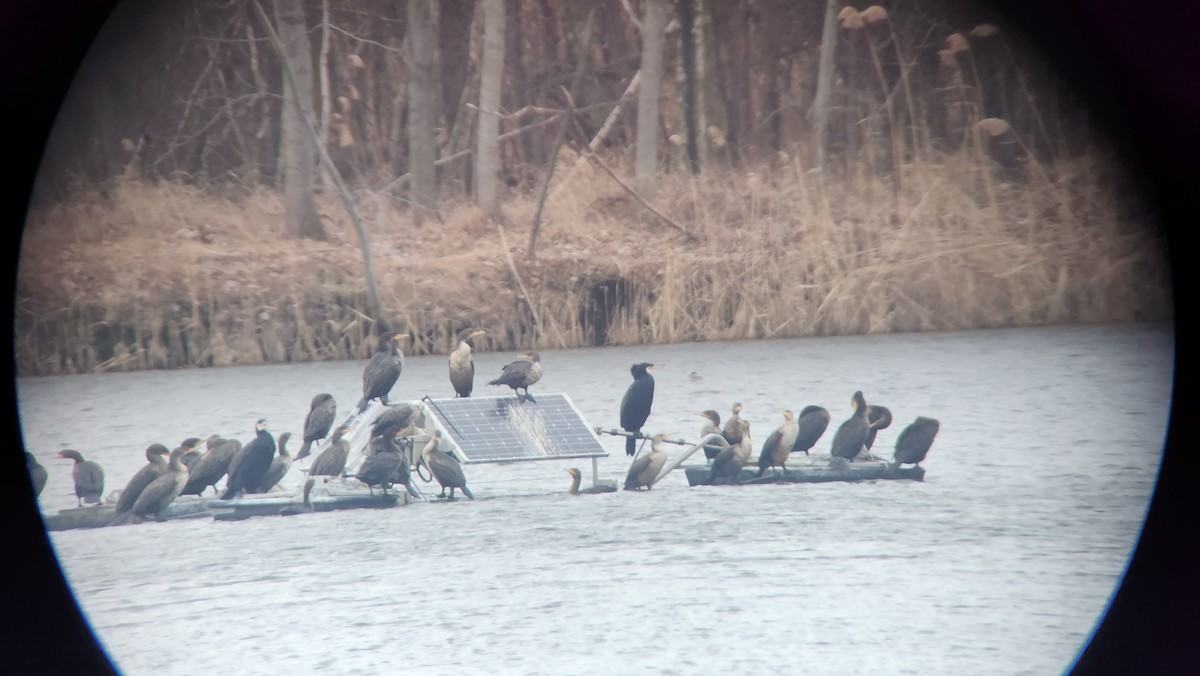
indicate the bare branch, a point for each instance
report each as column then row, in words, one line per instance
column 627, row 188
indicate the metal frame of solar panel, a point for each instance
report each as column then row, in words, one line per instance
column 504, row 429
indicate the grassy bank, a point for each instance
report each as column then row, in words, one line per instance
column 166, row 275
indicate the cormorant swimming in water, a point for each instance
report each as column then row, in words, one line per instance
column 635, row 406
column 256, row 460
column 813, row 422
column 37, row 473
column 520, row 374
column 445, row 468
column 733, row 429
column 156, row 454
column 321, row 413
column 383, row 370
column 332, row 460
column 279, row 465
column 89, row 478
column 914, row 441
column 713, row 426
column 378, row 468
column 880, row 418
column 730, row 461
column 163, row 490
column 213, row 465
column 576, row 477
column 644, row 469
column 778, row 446
column 462, row 367
column 850, row 436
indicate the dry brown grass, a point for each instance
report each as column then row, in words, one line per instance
column 165, row 275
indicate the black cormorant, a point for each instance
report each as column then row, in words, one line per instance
column 163, row 490
column 156, row 454
column 332, row 460
column 279, row 465
column 377, row 469
column 778, row 446
column 520, row 374
column 383, row 370
column 317, row 424
column 914, row 441
column 37, row 473
column 462, row 367
column 89, row 478
column 730, row 461
column 395, row 420
column 813, row 422
column 256, row 460
column 576, row 477
column 880, row 418
column 191, row 451
column 213, row 465
column 733, row 429
column 635, row 405
column 645, row 468
column 853, row 433
column 713, row 426
column 445, row 467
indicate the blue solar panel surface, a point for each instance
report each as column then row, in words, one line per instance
column 503, row 429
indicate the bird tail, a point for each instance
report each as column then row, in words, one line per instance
column 304, row 450
column 230, row 491
column 630, row 445
column 362, row 404
column 630, row 483
column 121, row 518
column 494, row 382
column 467, row 492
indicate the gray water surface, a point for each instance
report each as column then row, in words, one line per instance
column 1001, row 561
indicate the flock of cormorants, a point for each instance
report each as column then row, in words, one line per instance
column 259, row 464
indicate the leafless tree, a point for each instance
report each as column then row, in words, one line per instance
column 422, row 108
column 487, row 154
column 296, row 149
column 654, row 25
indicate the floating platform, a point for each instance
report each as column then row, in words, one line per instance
column 334, row 493
column 813, row 469
column 99, row 516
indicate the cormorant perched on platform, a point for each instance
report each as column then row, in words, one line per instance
column 156, row 455
column 462, row 367
column 576, row 477
column 635, row 405
column 304, row 507
column 321, row 413
column 37, row 473
column 730, row 461
column 645, row 468
column 378, row 468
column 520, row 374
column 163, row 490
column 713, row 426
column 812, row 424
column 445, row 467
column 256, row 460
column 279, row 465
column 383, row 370
column 778, row 446
column 396, row 419
column 89, row 478
column 733, row 429
column 191, row 451
column 914, row 441
column 213, row 465
column 853, row 433
column 332, row 460
column 880, row 418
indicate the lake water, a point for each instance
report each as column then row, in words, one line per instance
column 1001, row 561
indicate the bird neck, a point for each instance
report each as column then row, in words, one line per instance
column 575, row 484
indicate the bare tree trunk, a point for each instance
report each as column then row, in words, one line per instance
column 323, row 65
column 300, row 209
column 654, row 25
column 422, row 109
column 819, row 113
column 687, row 25
column 487, row 154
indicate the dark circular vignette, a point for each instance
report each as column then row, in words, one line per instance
column 1133, row 63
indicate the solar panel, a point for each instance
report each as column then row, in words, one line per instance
column 501, row 429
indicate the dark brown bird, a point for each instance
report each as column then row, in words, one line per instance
column 382, row 370
column 462, row 367
column 163, row 490
column 733, row 429
column 635, row 405
column 377, row 469
column 280, row 465
column 713, row 426
column 445, row 467
column 191, row 455
column 645, row 468
column 255, row 460
column 318, row 422
column 37, row 473
column 395, row 420
column 332, row 460
column 914, row 441
column 520, row 374
column 812, row 424
column 156, row 455
column 853, row 433
column 880, row 418
column 778, row 446
column 730, row 461
column 89, row 478
column 213, row 465
column 576, row 477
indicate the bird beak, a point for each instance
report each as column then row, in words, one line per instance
column 476, row 334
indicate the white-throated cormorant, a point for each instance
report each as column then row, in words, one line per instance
column 462, row 367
